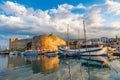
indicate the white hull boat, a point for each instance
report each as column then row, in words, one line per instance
column 14, row 53
column 91, row 49
column 100, row 52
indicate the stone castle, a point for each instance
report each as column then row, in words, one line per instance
column 43, row 43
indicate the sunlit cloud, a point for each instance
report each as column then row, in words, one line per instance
column 16, row 17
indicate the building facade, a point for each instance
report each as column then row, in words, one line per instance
column 19, row 44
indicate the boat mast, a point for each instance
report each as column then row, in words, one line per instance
column 84, row 34
column 68, row 35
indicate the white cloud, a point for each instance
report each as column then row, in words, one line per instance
column 113, row 7
column 13, row 8
column 18, row 18
column 115, row 25
column 10, row 21
column 81, row 6
column 94, row 17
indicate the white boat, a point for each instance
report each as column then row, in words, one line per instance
column 14, row 53
column 89, row 47
column 102, row 52
column 82, row 50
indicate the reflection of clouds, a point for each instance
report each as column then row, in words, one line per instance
column 114, row 72
column 115, row 66
column 101, row 75
column 115, row 77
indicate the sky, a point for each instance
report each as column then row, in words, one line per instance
column 26, row 17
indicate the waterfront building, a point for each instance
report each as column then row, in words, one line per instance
column 19, row 44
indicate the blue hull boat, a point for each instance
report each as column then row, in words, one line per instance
column 30, row 54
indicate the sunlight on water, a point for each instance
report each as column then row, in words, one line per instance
column 55, row 68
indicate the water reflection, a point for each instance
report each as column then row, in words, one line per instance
column 95, row 61
column 44, row 64
column 96, row 66
column 15, row 61
column 34, row 68
column 3, row 62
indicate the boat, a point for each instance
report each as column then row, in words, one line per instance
column 50, row 54
column 101, row 52
column 30, row 54
column 88, row 49
column 81, row 50
column 14, row 53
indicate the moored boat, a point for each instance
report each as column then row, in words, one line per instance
column 82, row 50
column 50, row 54
column 100, row 52
column 14, row 53
column 30, row 54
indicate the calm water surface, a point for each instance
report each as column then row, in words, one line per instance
column 55, row 68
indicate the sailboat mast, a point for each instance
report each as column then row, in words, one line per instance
column 68, row 35
column 84, row 34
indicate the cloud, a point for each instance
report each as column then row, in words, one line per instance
column 16, row 17
column 81, row 6
column 113, row 7
column 94, row 17
column 13, row 8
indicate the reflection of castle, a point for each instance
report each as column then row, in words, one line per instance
column 3, row 62
column 45, row 64
column 16, row 62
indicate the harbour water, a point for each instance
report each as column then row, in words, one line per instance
column 55, row 68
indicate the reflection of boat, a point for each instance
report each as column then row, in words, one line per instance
column 97, row 61
column 45, row 64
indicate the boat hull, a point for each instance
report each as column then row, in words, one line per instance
column 82, row 50
column 101, row 52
